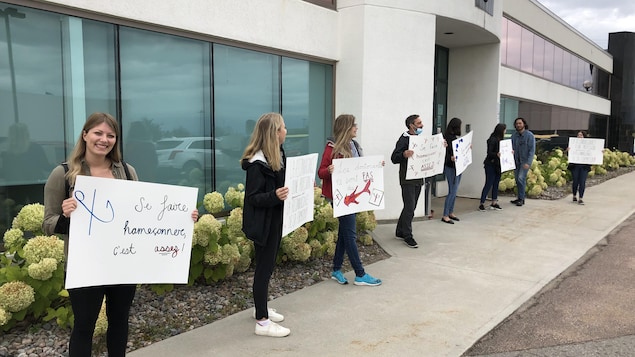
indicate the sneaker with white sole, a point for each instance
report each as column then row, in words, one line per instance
column 273, row 315
column 481, row 208
column 580, row 202
column 367, row 280
column 495, row 206
column 411, row 242
column 339, row 277
column 272, row 329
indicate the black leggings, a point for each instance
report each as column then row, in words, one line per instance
column 265, row 263
column 86, row 303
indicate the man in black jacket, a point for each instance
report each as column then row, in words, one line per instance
column 410, row 189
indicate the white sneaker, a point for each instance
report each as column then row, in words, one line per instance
column 272, row 330
column 273, row 315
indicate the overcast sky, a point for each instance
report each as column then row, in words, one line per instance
column 595, row 18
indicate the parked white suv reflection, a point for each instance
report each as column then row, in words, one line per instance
column 188, row 153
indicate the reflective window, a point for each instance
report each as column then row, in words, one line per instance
column 527, row 51
column 549, row 60
column 539, row 56
column 246, row 85
column 57, row 70
column 524, row 50
column 514, row 32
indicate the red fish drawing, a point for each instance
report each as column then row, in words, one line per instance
column 352, row 198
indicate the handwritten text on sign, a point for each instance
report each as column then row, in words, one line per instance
column 129, row 232
column 428, row 157
column 586, row 151
column 300, row 179
column 462, row 149
column 507, row 155
column 358, row 185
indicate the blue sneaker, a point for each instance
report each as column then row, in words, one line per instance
column 339, row 277
column 367, row 280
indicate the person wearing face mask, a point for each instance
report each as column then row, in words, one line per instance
column 410, row 189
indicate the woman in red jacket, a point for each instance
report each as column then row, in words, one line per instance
column 343, row 146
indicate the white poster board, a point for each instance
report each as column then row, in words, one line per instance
column 462, row 150
column 358, row 185
column 507, row 155
column 428, row 157
column 586, row 151
column 129, row 232
column 300, row 179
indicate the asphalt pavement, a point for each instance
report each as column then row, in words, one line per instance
column 459, row 293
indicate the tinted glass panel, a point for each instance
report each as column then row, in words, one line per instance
column 514, row 32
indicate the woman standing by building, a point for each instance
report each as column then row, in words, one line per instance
column 492, row 165
column 96, row 153
column 343, row 146
column 579, row 173
column 452, row 132
column 264, row 161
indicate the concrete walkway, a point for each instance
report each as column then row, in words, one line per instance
column 436, row 300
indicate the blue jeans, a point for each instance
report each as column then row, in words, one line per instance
column 347, row 243
column 492, row 179
column 521, row 180
column 579, row 174
column 453, row 188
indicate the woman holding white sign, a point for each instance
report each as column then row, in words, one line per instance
column 343, row 146
column 96, row 153
column 492, row 165
column 579, row 173
column 452, row 132
column 264, row 161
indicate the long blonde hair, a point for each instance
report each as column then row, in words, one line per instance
column 343, row 135
column 265, row 138
column 77, row 155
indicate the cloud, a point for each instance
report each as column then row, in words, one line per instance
column 595, row 19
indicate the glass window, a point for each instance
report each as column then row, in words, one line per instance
column 165, row 93
column 566, row 68
column 527, row 50
column 246, row 85
column 31, row 88
column 504, row 41
column 549, row 60
column 514, row 32
column 539, row 56
column 306, row 105
column 558, row 53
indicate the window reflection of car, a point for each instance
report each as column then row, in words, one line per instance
column 188, row 153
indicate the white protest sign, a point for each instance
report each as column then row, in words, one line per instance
column 358, row 185
column 300, row 179
column 428, row 157
column 507, row 155
column 129, row 232
column 462, row 150
column 586, row 151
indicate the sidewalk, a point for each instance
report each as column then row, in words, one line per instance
column 436, row 300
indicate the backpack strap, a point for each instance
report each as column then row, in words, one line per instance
column 67, row 185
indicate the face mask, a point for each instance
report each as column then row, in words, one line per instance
column 418, row 131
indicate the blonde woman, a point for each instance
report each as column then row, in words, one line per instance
column 264, row 161
column 96, row 153
column 343, row 146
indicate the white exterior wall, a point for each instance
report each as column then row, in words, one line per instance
column 473, row 97
column 290, row 25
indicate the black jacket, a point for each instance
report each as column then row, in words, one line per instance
column 397, row 158
column 492, row 159
column 448, row 150
column 262, row 210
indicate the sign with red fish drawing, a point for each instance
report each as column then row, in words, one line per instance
column 428, row 158
column 358, row 185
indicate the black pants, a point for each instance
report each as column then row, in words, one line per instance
column 410, row 196
column 265, row 262
column 86, row 303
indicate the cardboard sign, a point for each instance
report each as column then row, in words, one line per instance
column 358, row 185
column 300, row 179
column 428, row 158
